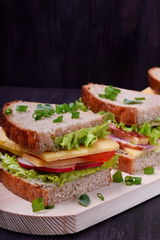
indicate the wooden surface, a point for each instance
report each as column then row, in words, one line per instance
column 69, row 216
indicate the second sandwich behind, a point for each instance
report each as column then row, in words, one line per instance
column 136, row 124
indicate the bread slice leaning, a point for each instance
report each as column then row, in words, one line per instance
column 52, row 193
column 38, row 136
column 154, row 79
column 132, row 114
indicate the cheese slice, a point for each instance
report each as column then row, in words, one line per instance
column 100, row 146
column 59, row 163
column 133, row 152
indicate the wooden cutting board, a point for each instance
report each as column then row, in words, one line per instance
column 70, row 217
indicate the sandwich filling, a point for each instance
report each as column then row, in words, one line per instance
column 62, row 166
column 137, row 139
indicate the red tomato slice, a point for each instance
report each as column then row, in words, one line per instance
column 100, row 157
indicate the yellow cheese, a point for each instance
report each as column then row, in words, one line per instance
column 133, row 152
column 40, row 163
column 100, row 146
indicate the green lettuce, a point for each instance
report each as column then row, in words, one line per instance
column 84, row 136
column 146, row 129
column 10, row 164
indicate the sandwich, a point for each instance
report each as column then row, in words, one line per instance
column 135, row 123
column 54, row 152
column 154, row 79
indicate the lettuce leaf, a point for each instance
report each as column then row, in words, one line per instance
column 10, row 163
column 84, row 136
column 146, row 129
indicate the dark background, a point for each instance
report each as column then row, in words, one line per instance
column 67, row 43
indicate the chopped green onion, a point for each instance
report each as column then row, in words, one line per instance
column 8, row 111
column 75, row 114
column 137, row 180
column 102, row 95
column 100, row 196
column 59, row 108
column 21, row 108
column 38, row 114
column 58, row 119
column 84, row 200
column 129, row 180
column 126, row 101
column 149, row 170
column 117, row 177
column 38, row 205
column 49, row 207
column 39, row 107
column 48, row 112
column 47, row 106
column 80, row 105
column 110, row 93
column 141, row 98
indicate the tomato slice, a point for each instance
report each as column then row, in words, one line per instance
column 100, row 157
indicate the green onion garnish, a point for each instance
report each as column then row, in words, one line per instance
column 39, row 107
column 129, row 180
column 137, row 180
column 38, row 114
column 58, row 119
column 21, row 108
column 45, row 110
column 100, row 196
column 59, row 109
column 75, row 114
column 149, row 170
column 141, row 98
column 84, row 200
column 8, row 111
column 49, row 207
column 48, row 112
column 38, row 205
column 126, row 101
column 110, row 93
column 117, row 177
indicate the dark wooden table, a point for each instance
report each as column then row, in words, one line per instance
column 140, row 222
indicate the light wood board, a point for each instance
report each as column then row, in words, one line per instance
column 70, row 217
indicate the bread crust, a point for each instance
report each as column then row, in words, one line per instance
column 126, row 164
column 123, row 114
column 153, row 79
column 27, row 139
column 22, row 188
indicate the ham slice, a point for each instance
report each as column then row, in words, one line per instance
column 124, row 143
column 132, row 137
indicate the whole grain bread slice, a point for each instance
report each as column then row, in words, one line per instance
column 29, row 189
column 38, row 136
column 134, row 165
column 154, row 79
column 132, row 114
